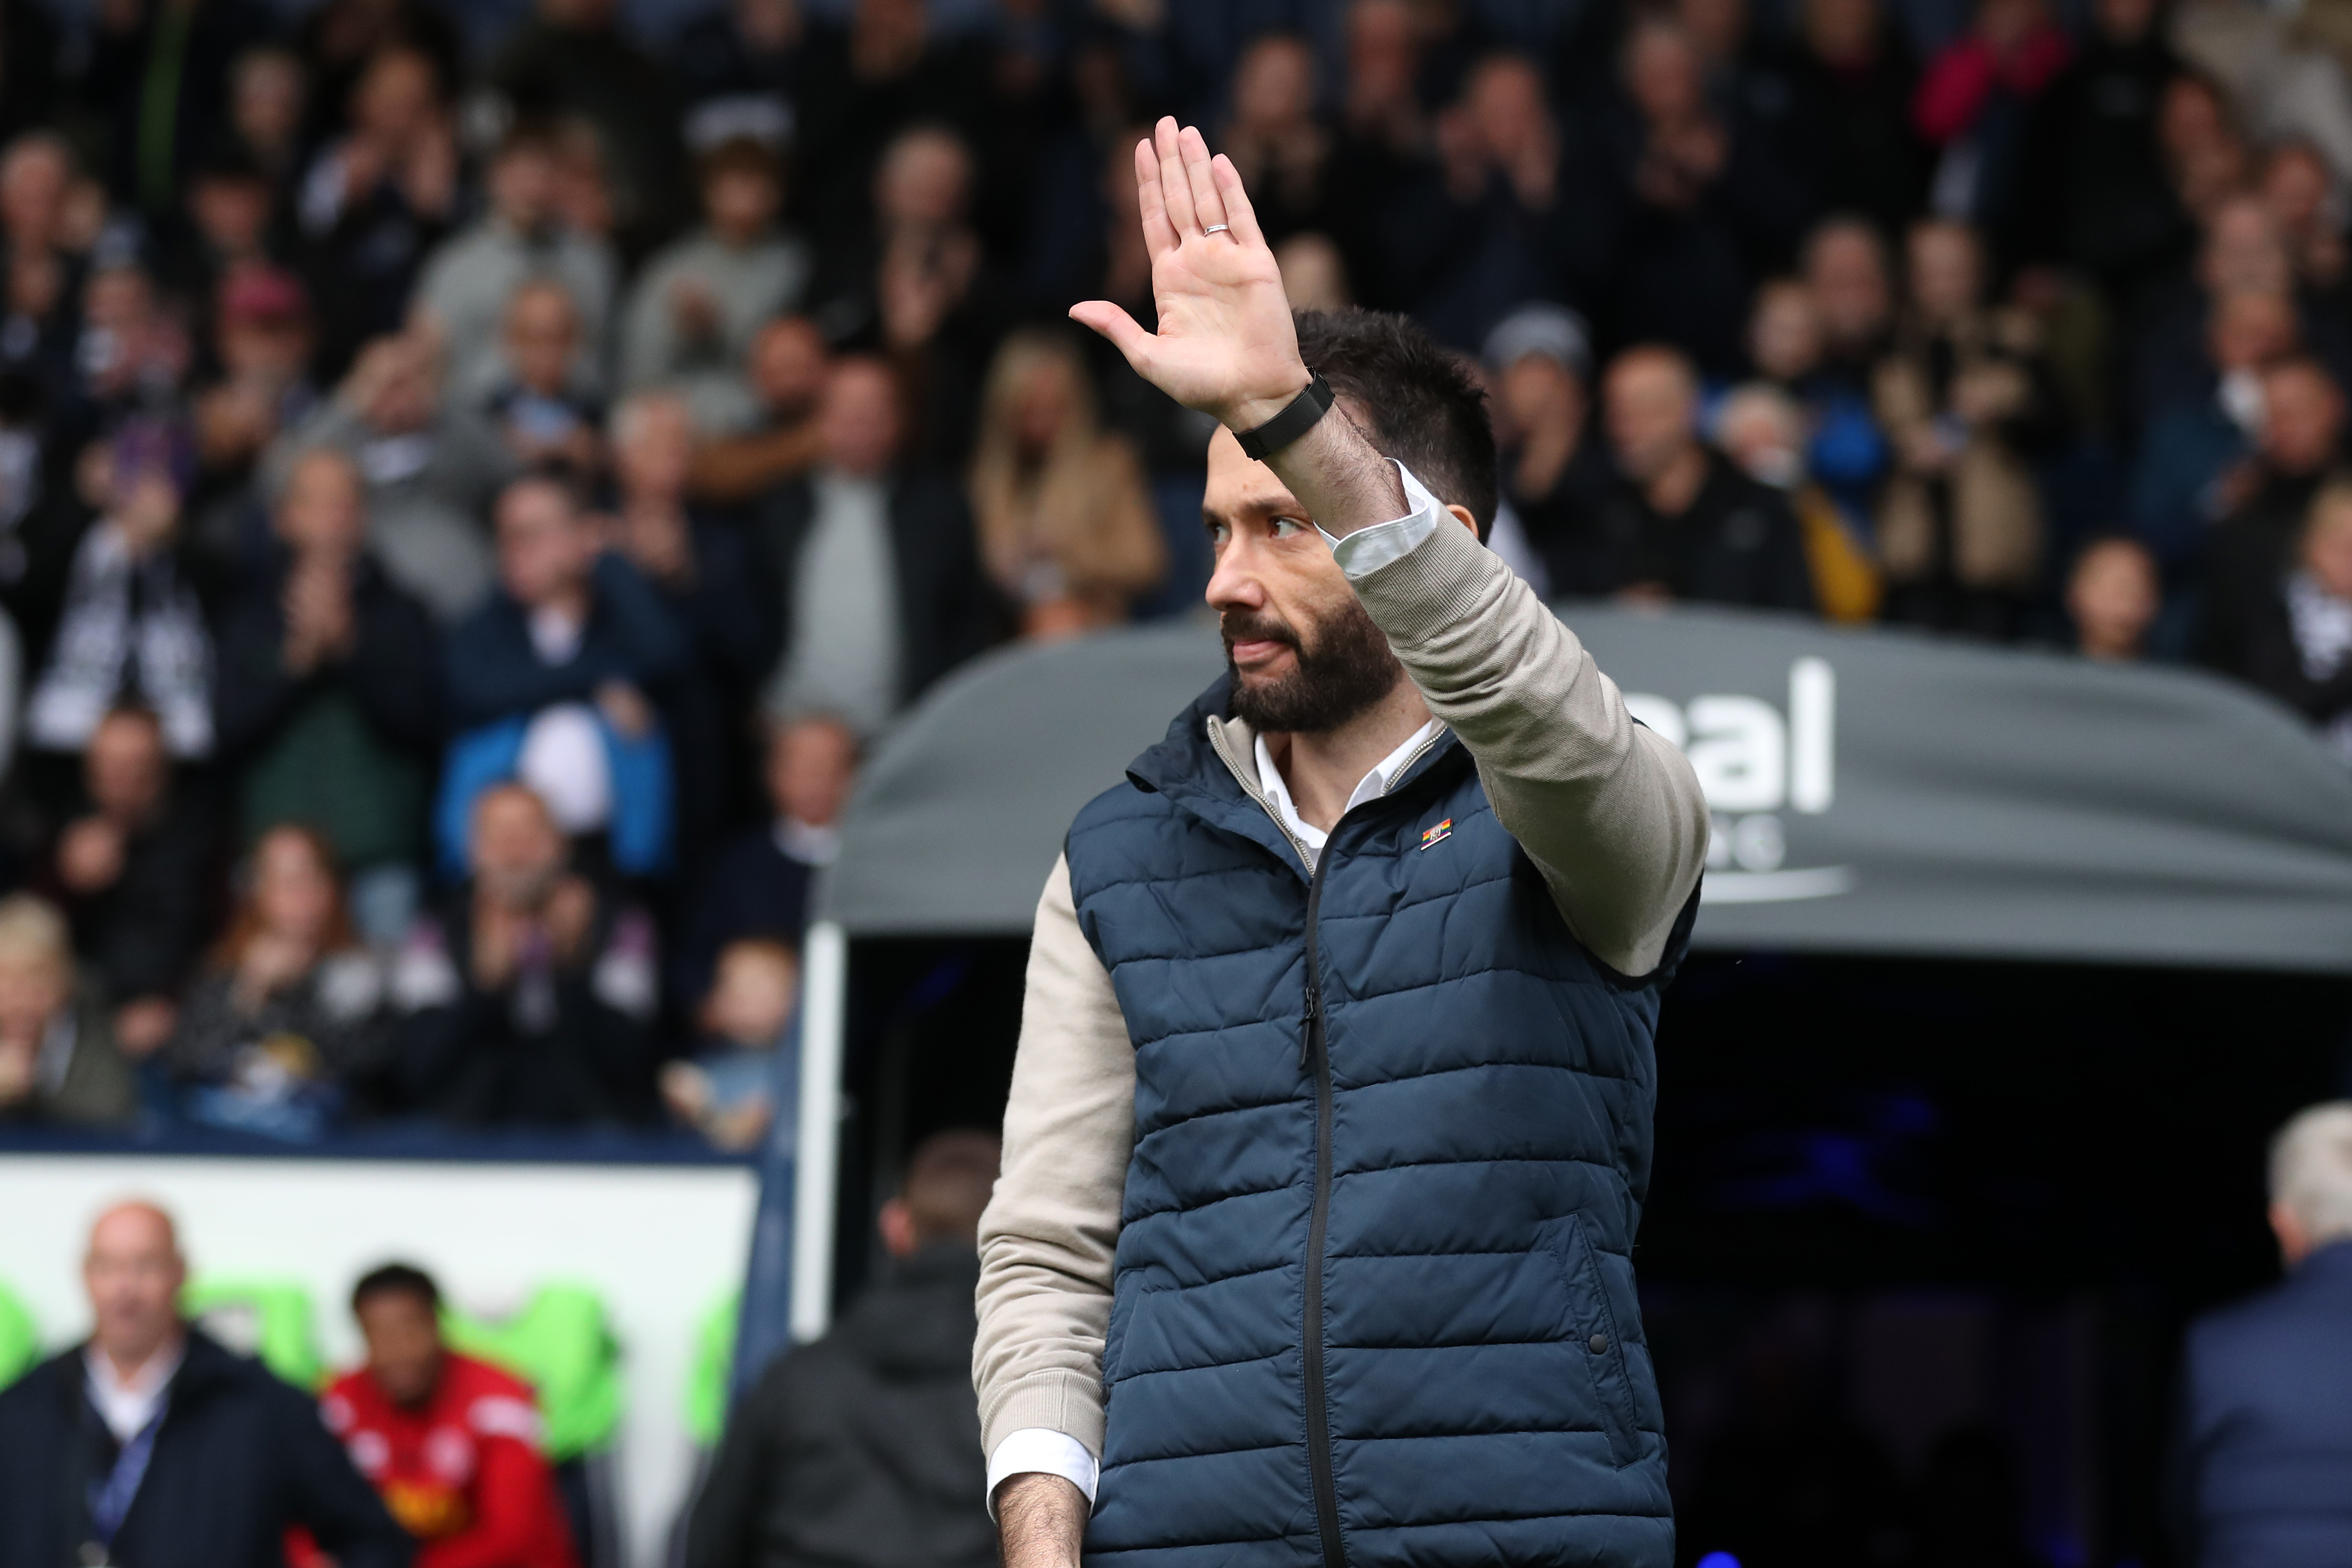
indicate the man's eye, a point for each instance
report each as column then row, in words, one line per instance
column 1218, row 533
column 1287, row 527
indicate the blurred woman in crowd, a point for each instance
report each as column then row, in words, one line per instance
column 1959, row 525
column 282, row 1027
column 1065, row 523
column 58, row 1056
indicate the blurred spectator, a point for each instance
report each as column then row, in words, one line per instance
column 2302, row 193
column 920, row 290
column 1846, row 271
column 424, row 474
column 570, row 61
column 1760, row 428
column 327, row 708
column 1848, row 133
column 1383, row 122
column 2204, row 152
column 453, row 1445
column 542, row 407
column 44, row 280
column 2092, row 191
column 378, row 199
column 2243, row 252
column 705, row 572
column 133, row 873
column 1962, row 398
column 1505, row 215
column 269, row 99
column 1314, row 273
column 2113, row 595
column 1977, row 99
column 2297, row 638
column 2255, row 547
column 554, row 681
column 239, row 1459
column 2266, row 1450
column 759, row 886
column 527, row 997
column 1710, row 206
column 1538, row 360
column 740, row 66
column 159, row 74
column 862, row 86
column 263, row 341
column 58, row 1056
column 229, row 229
column 284, row 1030
column 772, row 437
column 863, row 1447
column 1843, row 449
column 2191, row 458
column 727, row 1091
column 1282, row 152
column 1065, row 523
column 131, row 627
column 131, row 353
column 469, row 280
column 1682, row 521
column 341, row 41
column 697, row 309
column 881, row 588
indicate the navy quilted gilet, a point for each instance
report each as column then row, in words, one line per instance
column 1422, row 1127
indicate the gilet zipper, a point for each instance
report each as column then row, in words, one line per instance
column 1315, row 1054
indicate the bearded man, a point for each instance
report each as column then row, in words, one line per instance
column 1331, row 1121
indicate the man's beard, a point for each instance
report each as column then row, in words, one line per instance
column 1347, row 670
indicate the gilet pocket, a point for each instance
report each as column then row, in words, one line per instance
column 1593, row 1336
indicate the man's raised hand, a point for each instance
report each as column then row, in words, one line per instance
column 1226, row 343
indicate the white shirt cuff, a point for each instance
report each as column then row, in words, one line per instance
column 1041, row 1450
column 1367, row 550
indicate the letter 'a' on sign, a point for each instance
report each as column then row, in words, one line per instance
column 1812, row 730
column 1738, row 748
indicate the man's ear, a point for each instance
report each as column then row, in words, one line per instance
column 1462, row 515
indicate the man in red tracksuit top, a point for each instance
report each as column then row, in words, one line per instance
column 451, row 1444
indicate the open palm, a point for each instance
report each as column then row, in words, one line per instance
column 1226, row 343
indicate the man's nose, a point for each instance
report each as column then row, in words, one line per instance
column 1234, row 585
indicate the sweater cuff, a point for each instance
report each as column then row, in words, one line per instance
column 1057, row 1399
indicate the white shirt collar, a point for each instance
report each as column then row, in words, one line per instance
column 1371, row 786
column 806, row 842
column 127, row 1403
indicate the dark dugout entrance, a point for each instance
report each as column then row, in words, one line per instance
column 1922, row 1237
column 2009, row 968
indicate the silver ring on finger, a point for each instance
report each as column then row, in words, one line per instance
column 1218, row 228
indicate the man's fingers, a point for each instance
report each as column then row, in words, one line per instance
column 1159, row 233
column 1120, row 327
column 1238, row 211
column 1198, row 179
column 1175, row 187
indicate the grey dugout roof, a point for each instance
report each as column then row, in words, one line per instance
column 1873, row 791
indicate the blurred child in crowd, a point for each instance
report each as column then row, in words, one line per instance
column 729, row 1091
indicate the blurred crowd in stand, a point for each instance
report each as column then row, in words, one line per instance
column 470, row 491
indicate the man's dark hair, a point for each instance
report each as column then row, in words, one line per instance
column 395, row 1279
column 1424, row 408
column 949, row 1182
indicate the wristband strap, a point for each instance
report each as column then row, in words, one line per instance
column 1288, row 425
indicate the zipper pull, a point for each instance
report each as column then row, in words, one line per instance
column 1307, row 1031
